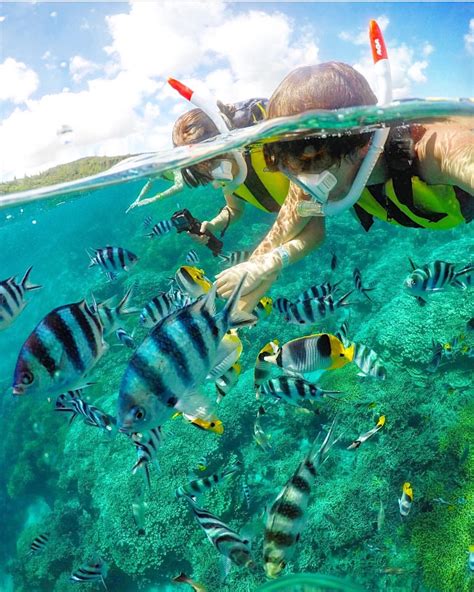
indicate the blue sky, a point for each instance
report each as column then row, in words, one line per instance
column 100, row 67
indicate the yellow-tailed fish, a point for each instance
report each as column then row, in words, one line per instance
column 192, row 281
column 361, row 439
column 211, row 425
column 182, row 578
column 263, row 308
column 263, row 368
column 406, row 501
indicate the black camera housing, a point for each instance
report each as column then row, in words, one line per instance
column 184, row 221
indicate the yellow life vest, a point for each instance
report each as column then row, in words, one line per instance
column 266, row 191
column 405, row 199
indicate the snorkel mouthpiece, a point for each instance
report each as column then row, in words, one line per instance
column 210, row 108
column 318, row 187
column 384, row 84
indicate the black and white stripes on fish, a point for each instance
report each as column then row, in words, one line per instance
column 282, row 305
column 434, row 277
column 12, row 298
column 156, row 309
column 112, row 317
column 286, row 517
column 311, row 311
column 161, row 228
column 368, row 362
column 93, row 416
column 201, row 486
column 174, row 360
column 39, row 543
column 94, row 570
column 147, row 445
column 62, row 348
column 192, row 257
column 227, row 541
column 112, row 259
column 318, row 291
column 295, row 391
column 357, row 276
column 235, row 257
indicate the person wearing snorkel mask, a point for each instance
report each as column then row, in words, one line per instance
column 243, row 179
column 418, row 176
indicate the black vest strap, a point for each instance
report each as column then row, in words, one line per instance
column 393, row 212
column 466, row 203
column 364, row 217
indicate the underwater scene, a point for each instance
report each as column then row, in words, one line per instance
column 201, row 396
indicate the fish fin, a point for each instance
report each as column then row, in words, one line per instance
column 195, row 405
column 237, row 318
column 103, row 582
column 319, row 454
column 413, row 265
column 466, row 269
column 222, row 367
column 225, row 565
column 342, row 300
column 421, row 301
column 364, row 292
column 122, row 306
column 24, row 282
column 91, row 255
column 458, row 284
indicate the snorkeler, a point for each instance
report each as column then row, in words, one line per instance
column 242, row 178
column 419, row 176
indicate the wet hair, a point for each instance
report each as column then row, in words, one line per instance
column 190, row 128
column 332, row 85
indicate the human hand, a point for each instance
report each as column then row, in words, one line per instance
column 202, row 239
column 257, row 272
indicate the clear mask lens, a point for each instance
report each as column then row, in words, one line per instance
column 223, row 171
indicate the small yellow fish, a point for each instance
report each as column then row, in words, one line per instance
column 212, row 425
column 264, row 307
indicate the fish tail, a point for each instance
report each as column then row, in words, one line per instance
column 364, row 292
column 91, row 255
column 233, row 317
column 342, row 300
column 150, row 235
column 466, row 269
column 103, row 582
column 233, row 468
column 319, row 454
column 24, row 282
column 122, row 306
column 333, row 395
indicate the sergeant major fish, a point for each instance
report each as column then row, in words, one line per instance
column 94, row 570
column 295, row 391
column 125, row 339
column 147, row 445
column 312, row 311
column 368, row 362
column 205, row 484
column 60, row 351
column 357, row 276
column 287, row 515
column 319, row 291
column 227, row 541
column 166, row 370
column 160, row 229
column 434, row 277
column 92, row 415
column 235, row 258
column 192, row 256
column 156, row 309
column 112, row 260
column 12, row 298
column 38, row 543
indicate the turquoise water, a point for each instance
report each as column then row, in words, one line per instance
column 76, row 482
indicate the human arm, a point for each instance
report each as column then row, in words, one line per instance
column 445, row 156
column 177, row 186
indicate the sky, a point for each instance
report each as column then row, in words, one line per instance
column 96, row 71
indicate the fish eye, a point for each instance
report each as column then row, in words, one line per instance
column 341, row 355
column 138, row 413
column 212, row 424
column 26, row 378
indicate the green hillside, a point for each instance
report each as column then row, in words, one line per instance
column 84, row 167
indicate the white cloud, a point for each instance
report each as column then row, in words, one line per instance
column 2, row 18
column 53, row 14
column 79, row 67
column 361, row 37
column 428, row 49
column 406, row 70
column 130, row 109
column 17, row 81
column 469, row 38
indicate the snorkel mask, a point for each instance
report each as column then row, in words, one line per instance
column 222, row 173
column 318, row 186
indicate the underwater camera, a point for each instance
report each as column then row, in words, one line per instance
column 184, row 221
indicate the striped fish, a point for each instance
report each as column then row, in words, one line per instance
column 92, row 415
column 226, row 382
column 368, row 362
column 125, row 339
column 160, row 228
column 63, row 401
column 94, row 570
column 342, row 333
column 357, row 277
column 147, row 221
column 157, row 309
column 318, row 291
column 169, row 366
column 192, row 257
column 192, row 281
column 200, row 486
column 12, row 298
column 263, row 368
column 246, row 492
column 364, row 437
column 147, row 445
column 258, row 434
column 179, row 299
column 112, row 317
column 60, row 351
column 235, row 258
column 434, row 277
column 295, row 391
column 436, row 357
column 312, row 311
column 227, row 541
column 286, row 517
column 282, row 305
column 311, row 353
column 333, row 261
column 112, row 260
column 38, row 544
